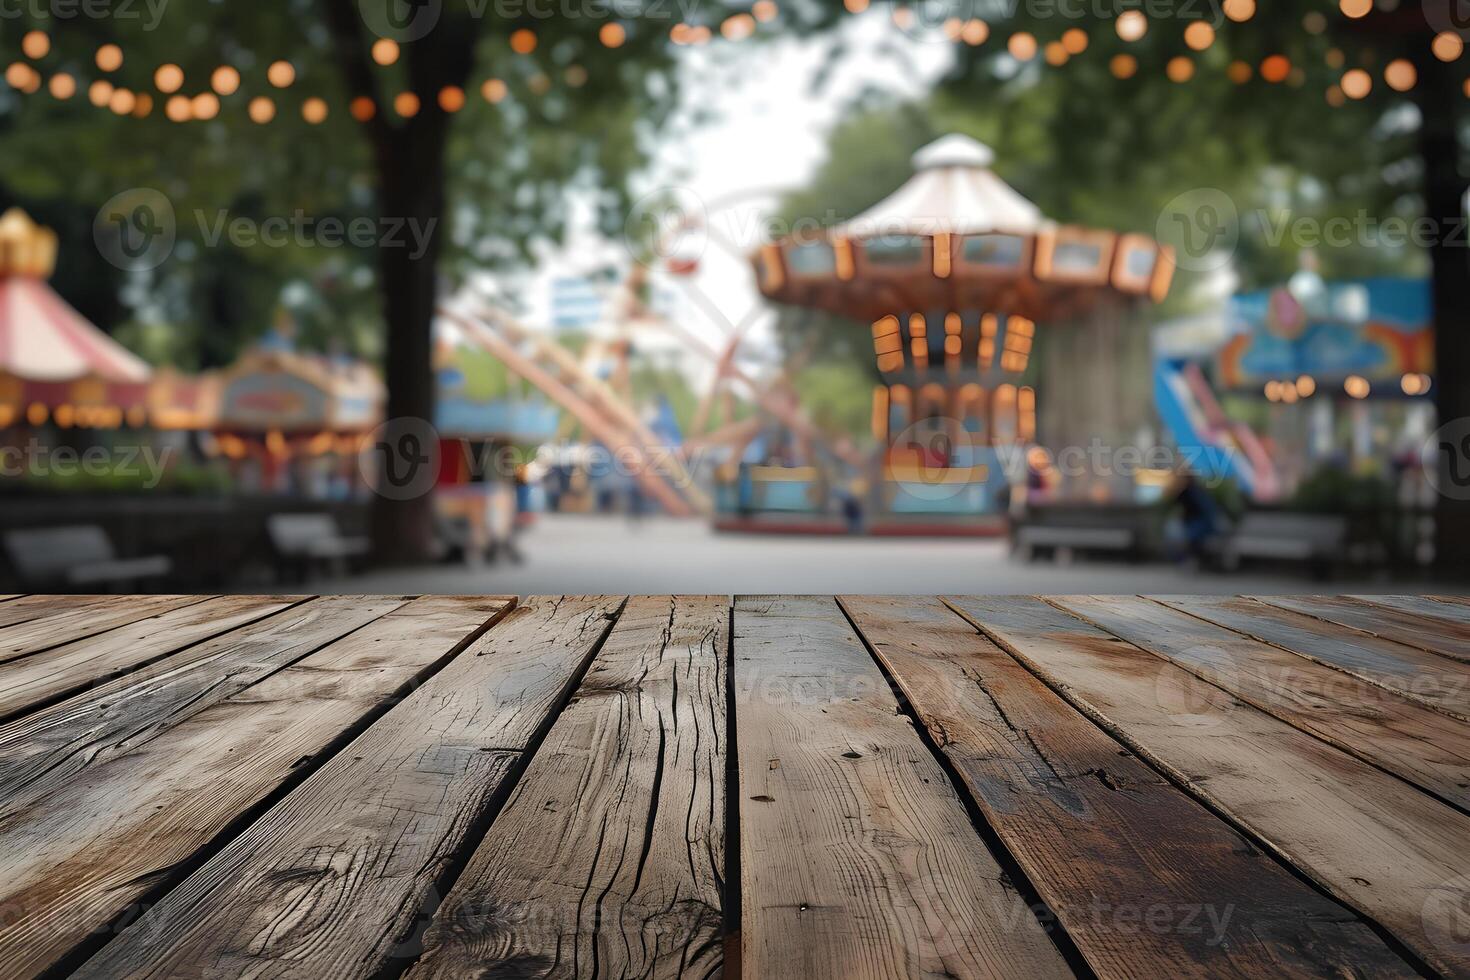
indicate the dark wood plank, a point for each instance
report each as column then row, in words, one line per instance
column 73, row 622
column 608, row 859
column 1106, row 840
column 35, row 681
column 101, row 846
column 1416, row 627
column 858, row 858
column 1424, row 677
column 40, row 751
column 1372, row 841
column 7, row 598
column 1419, row 744
column 332, row 880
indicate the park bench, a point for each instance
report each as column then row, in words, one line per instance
column 79, row 557
column 1063, row 541
column 305, row 543
column 1319, row 540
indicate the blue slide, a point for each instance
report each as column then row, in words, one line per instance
column 1214, row 447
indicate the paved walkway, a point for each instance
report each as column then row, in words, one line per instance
column 594, row 555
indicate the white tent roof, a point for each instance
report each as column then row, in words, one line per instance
column 953, row 191
column 43, row 339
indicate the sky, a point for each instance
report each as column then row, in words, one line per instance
column 752, row 124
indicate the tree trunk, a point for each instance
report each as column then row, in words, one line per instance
column 1444, row 196
column 409, row 155
column 411, row 191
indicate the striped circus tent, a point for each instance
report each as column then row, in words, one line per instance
column 54, row 364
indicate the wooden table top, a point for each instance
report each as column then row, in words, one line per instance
column 804, row 787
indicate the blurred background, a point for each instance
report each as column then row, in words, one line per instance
column 651, row 296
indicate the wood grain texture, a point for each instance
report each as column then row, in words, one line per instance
column 41, row 751
column 25, row 608
column 608, row 859
column 1379, row 845
column 77, row 666
column 1440, row 683
column 1419, row 744
column 1416, row 622
column 858, row 858
column 73, row 619
column 1146, row 881
column 97, row 849
column 332, row 880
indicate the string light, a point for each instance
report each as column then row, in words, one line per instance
column 406, row 104
column 1022, row 46
column 1179, row 69
column 451, row 98
column 1123, row 66
column 612, row 35
column 1400, row 74
column 262, row 110
column 62, row 86
column 1239, row 72
column 281, row 74
column 493, row 90
column 855, row 6
column 1055, row 54
column 314, row 111
column 1131, row 25
column 765, row 10
column 109, row 57
column 168, row 79
column 1356, row 84
column 35, row 45
column 178, row 109
column 1199, row 36
column 1275, row 68
column 975, row 32
column 100, row 92
column 738, row 27
column 523, row 41
column 1240, row 11
column 122, row 102
column 1335, row 98
column 575, row 76
column 363, row 108
column 1355, row 8
column 1447, row 46
column 1074, row 39
column 1357, row 386
column 205, row 105
column 225, row 80
column 385, row 51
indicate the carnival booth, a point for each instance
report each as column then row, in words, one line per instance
column 294, row 423
column 55, row 367
column 955, row 271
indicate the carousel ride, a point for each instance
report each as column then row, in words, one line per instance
column 954, row 272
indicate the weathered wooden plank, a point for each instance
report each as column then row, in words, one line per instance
column 1419, row 744
column 40, row 751
column 24, row 609
column 333, row 879
column 1415, row 627
column 858, row 858
column 1392, row 852
column 100, row 847
column 608, row 859
column 1411, row 673
column 68, row 624
column 31, row 682
column 7, row 598
column 1146, row 881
